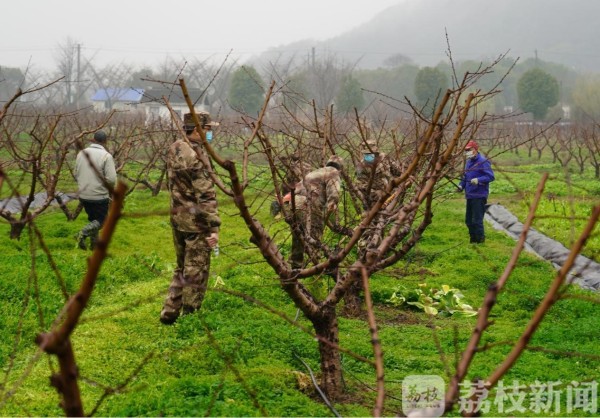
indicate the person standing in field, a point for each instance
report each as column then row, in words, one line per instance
column 294, row 169
column 317, row 197
column 195, row 221
column 475, row 183
column 96, row 176
column 373, row 175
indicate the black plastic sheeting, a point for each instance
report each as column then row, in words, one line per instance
column 15, row 204
column 585, row 272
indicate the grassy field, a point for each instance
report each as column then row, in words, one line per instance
column 235, row 358
column 568, row 196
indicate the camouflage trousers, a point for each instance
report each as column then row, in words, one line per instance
column 190, row 278
column 304, row 225
column 371, row 238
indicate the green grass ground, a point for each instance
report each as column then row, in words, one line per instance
column 187, row 376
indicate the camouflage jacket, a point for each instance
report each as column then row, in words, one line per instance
column 294, row 172
column 373, row 178
column 321, row 187
column 193, row 197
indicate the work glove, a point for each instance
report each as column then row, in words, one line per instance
column 475, row 181
column 212, row 240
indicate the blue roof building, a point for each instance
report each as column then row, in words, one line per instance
column 117, row 98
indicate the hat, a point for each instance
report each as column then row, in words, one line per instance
column 472, row 144
column 100, row 136
column 370, row 147
column 299, row 200
column 335, row 161
column 203, row 117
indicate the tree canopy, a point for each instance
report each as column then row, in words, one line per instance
column 246, row 92
column 537, row 91
column 350, row 95
column 429, row 86
column 586, row 97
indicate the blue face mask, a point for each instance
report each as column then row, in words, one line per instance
column 209, row 136
column 369, row 158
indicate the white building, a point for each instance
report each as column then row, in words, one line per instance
column 117, row 99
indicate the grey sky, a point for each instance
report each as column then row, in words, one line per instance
column 135, row 31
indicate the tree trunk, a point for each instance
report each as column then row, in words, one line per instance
column 16, row 228
column 352, row 300
column 326, row 328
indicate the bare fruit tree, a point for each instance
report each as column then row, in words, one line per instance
column 428, row 150
column 39, row 147
column 334, row 270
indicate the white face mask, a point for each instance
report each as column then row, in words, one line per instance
column 469, row 154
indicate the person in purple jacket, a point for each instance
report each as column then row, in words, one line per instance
column 476, row 184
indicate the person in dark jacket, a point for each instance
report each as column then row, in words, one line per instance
column 476, row 184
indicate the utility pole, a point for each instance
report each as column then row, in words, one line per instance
column 78, row 88
column 313, row 57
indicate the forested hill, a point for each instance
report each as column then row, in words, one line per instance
column 562, row 31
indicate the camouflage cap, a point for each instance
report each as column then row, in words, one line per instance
column 203, row 117
column 335, row 160
column 370, row 147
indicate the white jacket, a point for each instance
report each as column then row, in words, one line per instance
column 90, row 184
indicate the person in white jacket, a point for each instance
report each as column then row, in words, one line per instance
column 96, row 176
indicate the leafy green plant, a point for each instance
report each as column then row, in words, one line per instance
column 445, row 301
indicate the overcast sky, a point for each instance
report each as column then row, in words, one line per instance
column 135, row 31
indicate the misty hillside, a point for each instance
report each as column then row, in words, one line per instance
column 562, row 31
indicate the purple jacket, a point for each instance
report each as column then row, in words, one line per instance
column 480, row 168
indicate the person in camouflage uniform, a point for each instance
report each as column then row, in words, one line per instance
column 316, row 198
column 294, row 170
column 373, row 175
column 194, row 220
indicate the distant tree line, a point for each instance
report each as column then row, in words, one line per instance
column 533, row 89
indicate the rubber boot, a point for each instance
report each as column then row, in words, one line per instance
column 93, row 241
column 90, row 230
column 478, row 239
column 80, row 238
